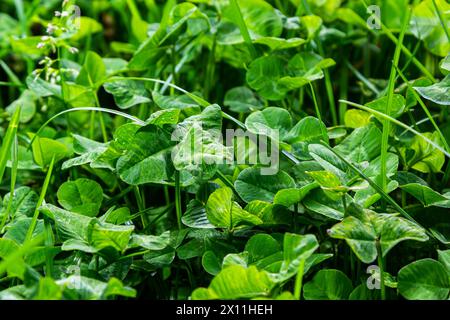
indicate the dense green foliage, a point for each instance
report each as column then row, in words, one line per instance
column 100, row 201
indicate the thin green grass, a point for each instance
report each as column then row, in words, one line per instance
column 405, row 50
column 14, row 165
column 11, row 132
column 442, row 20
column 326, row 72
column 318, row 113
column 387, row 111
column 399, row 123
column 45, row 185
column 243, row 28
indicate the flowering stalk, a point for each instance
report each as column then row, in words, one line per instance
column 58, row 30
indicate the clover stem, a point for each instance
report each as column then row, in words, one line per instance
column 295, row 217
column 326, row 72
column 141, row 206
column 318, row 113
column 299, row 280
column 102, row 122
column 49, row 243
column 380, row 266
column 178, row 198
column 344, row 203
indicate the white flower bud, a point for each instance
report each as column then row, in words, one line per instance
column 40, row 45
column 51, row 28
column 57, row 13
column 73, row 50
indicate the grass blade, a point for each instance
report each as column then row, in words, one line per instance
column 387, row 111
column 399, row 123
column 15, row 162
column 405, row 50
column 8, row 140
column 40, row 201
column 243, row 28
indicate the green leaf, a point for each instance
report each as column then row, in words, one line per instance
column 93, row 71
column 397, row 229
column 88, row 150
column 78, row 287
column 42, row 88
column 445, row 65
column 150, row 242
column 16, row 267
column 444, row 258
column 44, row 149
column 104, row 235
column 162, row 117
column 269, row 120
column 23, row 203
column 223, row 212
column 117, row 216
column 87, row 234
column 275, row 43
column 181, row 102
column 78, row 95
column 427, row 196
column 328, row 285
column 167, row 34
column 360, row 237
column 48, row 290
column 363, row 144
column 330, row 183
column 426, row 157
column 397, row 106
column 260, row 18
column 364, row 228
column 289, row 197
column 211, row 263
column 355, row 118
column 251, row 185
column 295, row 249
column 312, row 24
column 318, row 202
column 426, row 25
column 195, row 216
column 82, row 196
column 27, row 103
column 438, row 93
column 424, row 279
column 264, row 252
column 17, row 230
column 72, row 228
column 263, row 75
column 272, row 77
column 361, row 292
column 242, row 99
column 88, row 26
column 307, row 131
column 200, row 151
column 147, row 157
column 128, row 93
column 304, row 68
column 236, row 282
column 328, row 160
